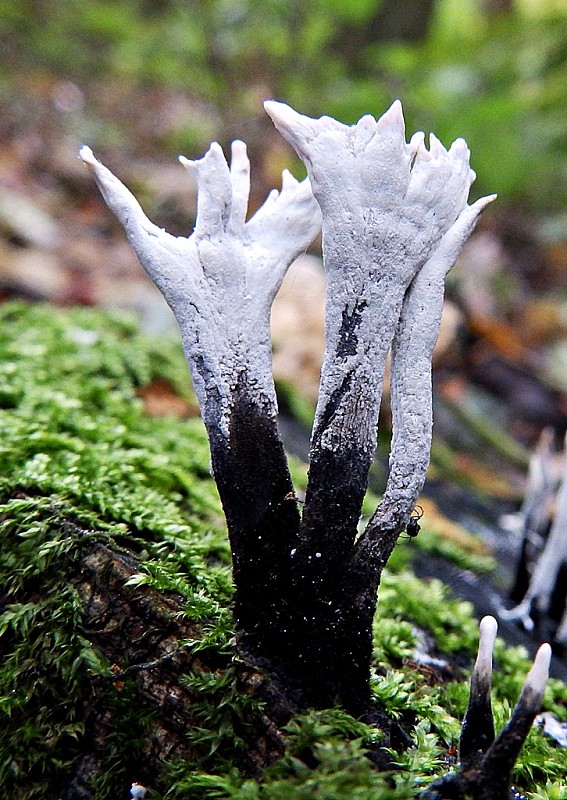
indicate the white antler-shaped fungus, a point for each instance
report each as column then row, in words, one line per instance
column 391, row 210
column 394, row 217
column 221, row 281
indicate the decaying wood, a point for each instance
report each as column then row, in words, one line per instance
column 143, row 633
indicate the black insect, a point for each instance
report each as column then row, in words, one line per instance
column 292, row 496
column 413, row 527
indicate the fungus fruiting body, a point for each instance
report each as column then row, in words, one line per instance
column 487, row 760
column 394, row 217
column 545, row 506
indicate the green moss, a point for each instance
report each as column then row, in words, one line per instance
column 429, row 606
column 434, row 544
column 325, row 760
column 81, row 461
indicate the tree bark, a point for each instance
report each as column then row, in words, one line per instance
column 141, row 632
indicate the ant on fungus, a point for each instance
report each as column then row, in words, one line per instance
column 413, row 527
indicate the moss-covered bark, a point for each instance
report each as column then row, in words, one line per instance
column 114, row 563
column 118, row 658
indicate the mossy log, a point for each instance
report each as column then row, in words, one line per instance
column 119, row 661
column 147, row 640
column 115, row 632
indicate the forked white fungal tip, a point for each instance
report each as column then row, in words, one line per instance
column 393, row 119
column 395, row 113
column 87, row 155
column 423, row 153
column 191, row 166
column 367, row 121
column 520, row 612
column 280, row 112
column 396, row 108
column 473, row 212
column 460, row 148
column 435, row 147
column 288, row 180
column 539, row 673
column 213, row 157
column 416, row 141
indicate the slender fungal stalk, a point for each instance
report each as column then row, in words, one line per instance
column 487, row 762
column 498, row 763
column 410, row 388
column 387, row 205
column 477, row 733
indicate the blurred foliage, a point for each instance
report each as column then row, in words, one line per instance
column 495, row 73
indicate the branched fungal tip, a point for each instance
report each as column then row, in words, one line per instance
column 280, row 112
column 392, row 118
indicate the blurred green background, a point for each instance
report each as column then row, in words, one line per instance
column 492, row 71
